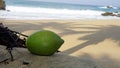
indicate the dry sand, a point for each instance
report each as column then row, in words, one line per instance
column 88, row 44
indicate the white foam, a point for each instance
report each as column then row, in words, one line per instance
column 18, row 12
column 106, row 7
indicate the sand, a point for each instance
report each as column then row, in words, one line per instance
column 88, row 44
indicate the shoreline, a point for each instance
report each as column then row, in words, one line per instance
column 99, row 18
column 42, row 13
column 7, row 19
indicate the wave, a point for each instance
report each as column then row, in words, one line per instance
column 50, row 10
column 19, row 12
column 109, row 7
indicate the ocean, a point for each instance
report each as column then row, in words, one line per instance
column 29, row 9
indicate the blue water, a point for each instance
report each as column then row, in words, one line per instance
column 28, row 3
column 49, row 10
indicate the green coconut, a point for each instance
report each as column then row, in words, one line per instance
column 44, row 43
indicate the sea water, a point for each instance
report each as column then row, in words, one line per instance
column 29, row 9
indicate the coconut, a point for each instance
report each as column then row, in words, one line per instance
column 44, row 43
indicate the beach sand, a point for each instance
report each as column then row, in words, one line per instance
column 88, row 44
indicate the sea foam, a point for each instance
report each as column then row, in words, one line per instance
column 20, row 12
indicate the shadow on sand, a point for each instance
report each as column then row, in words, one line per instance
column 110, row 32
column 61, row 60
column 96, row 34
